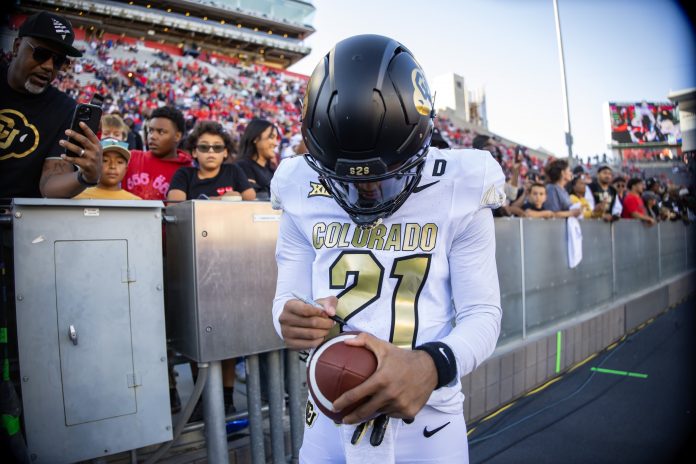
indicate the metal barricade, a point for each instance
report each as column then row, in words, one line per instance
column 221, row 279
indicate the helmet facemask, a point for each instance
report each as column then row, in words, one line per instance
column 374, row 195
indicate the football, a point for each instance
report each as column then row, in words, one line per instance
column 335, row 368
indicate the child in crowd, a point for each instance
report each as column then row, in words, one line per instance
column 113, row 127
column 619, row 184
column 212, row 179
column 576, row 189
column 534, row 206
column 114, row 164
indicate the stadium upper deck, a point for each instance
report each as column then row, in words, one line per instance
column 268, row 32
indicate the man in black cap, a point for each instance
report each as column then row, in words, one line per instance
column 35, row 117
column 606, row 203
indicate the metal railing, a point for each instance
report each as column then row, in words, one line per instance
column 539, row 289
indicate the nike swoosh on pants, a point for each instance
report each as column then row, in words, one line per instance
column 429, row 433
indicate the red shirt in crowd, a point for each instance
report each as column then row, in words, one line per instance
column 148, row 176
column 632, row 203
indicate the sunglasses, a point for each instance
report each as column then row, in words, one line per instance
column 41, row 55
column 207, row 148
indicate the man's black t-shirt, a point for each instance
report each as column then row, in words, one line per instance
column 259, row 176
column 230, row 177
column 30, row 128
column 601, row 194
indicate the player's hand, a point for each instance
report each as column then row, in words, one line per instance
column 89, row 152
column 402, row 383
column 303, row 326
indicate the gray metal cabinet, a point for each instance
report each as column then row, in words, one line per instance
column 90, row 321
column 221, row 275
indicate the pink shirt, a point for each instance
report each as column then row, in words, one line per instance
column 148, row 176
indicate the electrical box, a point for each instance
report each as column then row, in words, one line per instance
column 221, row 278
column 90, row 322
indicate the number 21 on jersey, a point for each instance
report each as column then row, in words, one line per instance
column 410, row 273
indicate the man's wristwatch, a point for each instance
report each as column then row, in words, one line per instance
column 82, row 181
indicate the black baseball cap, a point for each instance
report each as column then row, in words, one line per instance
column 53, row 28
column 579, row 169
column 602, row 167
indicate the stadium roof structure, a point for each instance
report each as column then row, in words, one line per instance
column 216, row 25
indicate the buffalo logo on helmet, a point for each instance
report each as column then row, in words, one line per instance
column 421, row 93
column 18, row 137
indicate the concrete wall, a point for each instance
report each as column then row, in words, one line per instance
column 518, row 367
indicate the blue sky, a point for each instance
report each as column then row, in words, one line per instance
column 615, row 50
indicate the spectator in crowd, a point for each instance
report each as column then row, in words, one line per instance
column 150, row 172
column 557, row 198
column 135, row 141
column 483, row 142
column 633, row 206
column 534, row 205
column 619, row 184
column 650, row 199
column 296, row 146
column 211, row 179
column 604, row 195
column 653, row 185
column 115, row 160
column 675, row 205
column 438, row 140
column 38, row 116
column 576, row 189
column 522, row 196
column 257, row 151
column 113, row 127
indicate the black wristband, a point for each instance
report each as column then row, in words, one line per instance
column 445, row 362
column 82, row 181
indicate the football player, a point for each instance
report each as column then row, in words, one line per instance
column 397, row 238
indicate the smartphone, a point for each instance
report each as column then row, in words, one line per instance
column 97, row 100
column 90, row 115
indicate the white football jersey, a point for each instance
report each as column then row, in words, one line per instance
column 426, row 273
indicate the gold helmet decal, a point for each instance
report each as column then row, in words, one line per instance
column 421, row 93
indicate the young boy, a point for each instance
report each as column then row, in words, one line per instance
column 113, row 127
column 534, row 206
column 115, row 161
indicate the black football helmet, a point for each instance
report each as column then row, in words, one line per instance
column 367, row 120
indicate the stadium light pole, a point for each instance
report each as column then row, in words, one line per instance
column 564, row 83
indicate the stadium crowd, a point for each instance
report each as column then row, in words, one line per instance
column 193, row 92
